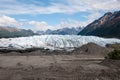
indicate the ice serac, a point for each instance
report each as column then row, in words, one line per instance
column 53, row 41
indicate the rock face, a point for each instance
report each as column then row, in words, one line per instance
column 6, row 32
column 106, row 26
column 63, row 31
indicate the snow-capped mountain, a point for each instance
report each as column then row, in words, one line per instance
column 53, row 42
column 63, row 31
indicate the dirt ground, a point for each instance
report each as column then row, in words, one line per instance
column 57, row 67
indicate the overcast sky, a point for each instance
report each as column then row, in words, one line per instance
column 53, row 14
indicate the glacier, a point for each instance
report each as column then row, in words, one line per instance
column 53, row 42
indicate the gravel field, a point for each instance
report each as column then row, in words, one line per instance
column 57, row 67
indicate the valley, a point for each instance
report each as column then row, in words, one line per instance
column 58, row 67
column 87, row 62
column 59, row 40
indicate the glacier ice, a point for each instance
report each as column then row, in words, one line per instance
column 53, row 41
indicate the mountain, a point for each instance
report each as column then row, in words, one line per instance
column 6, row 32
column 106, row 26
column 63, row 31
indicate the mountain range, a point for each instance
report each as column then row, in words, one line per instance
column 106, row 26
column 6, row 32
column 62, row 31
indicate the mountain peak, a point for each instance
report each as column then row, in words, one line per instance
column 106, row 26
column 108, row 13
column 62, row 31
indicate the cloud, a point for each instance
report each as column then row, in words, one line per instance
column 40, row 25
column 70, row 23
column 96, row 5
column 63, row 24
column 62, row 6
column 90, row 18
column 12, row 7
column 8, row 21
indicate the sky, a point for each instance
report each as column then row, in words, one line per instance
column 53, row 14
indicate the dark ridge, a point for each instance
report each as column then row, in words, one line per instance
column 107, row 26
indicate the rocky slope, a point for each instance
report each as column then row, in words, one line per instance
column 92, row 49
column 106, row 26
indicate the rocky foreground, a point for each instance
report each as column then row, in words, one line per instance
column 84, row 63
